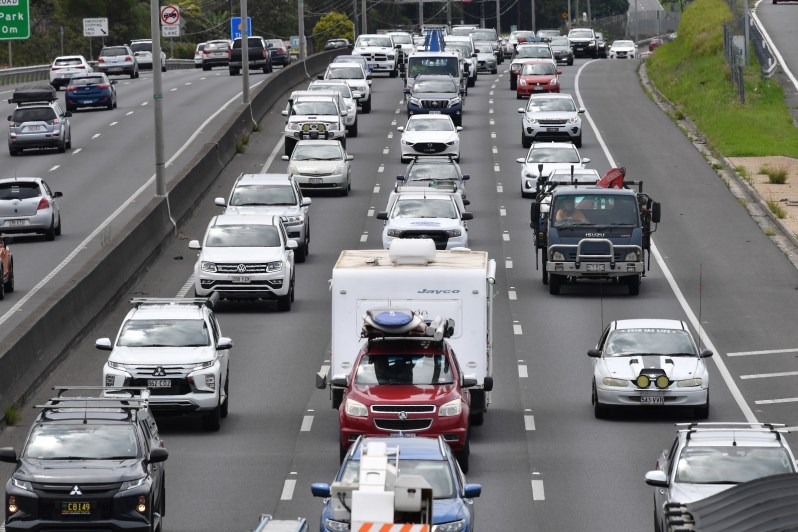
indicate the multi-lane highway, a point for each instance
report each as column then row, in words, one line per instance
column 545, row 463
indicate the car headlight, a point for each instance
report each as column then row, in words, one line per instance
column 208, row 266
column 355, row 409
column 452, row 408
column 453, row 232
column 554, row 81
column 414, row 101
column 522, row 83
column 454, row 101
column 573, row 120
column 339, row 169
column 292, row 220
column 453, row 526
column 407, row 142
column 203, row 365
column 293, row 126
column 130, row 484
column 336, row 526
column 632, row 256
column 531, row 119
column 116, row 365
column 394, row 233
column 689, row 383
column 558, row 256
column 452, row 142
column 275, row 266
column 333, row 126
column 621, row 383
column 21, row 484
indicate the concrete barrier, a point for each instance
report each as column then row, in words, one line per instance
column 61, row 316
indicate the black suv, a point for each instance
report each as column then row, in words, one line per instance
column 436, row 94
column 89, row 463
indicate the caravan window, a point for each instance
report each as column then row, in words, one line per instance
column 434, row 65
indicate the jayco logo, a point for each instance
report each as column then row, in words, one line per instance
column 430, row 291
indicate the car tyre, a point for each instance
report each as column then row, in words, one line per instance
column 212, row 421
column 702, row 412
column 577, row 141
column 545, row 274
column 62, row 147
column 462, row 456
column 555, row 282
column 634, row 285
column 284, row 302
column 206, row 67
column 71, row 108
column 49, row 234
column 345, row 190
column 12, row 152
column 289, row 146
column 570, row 62
column 302, row 251
column 471, row 82
column 353, row 130
column 600, row 411
column 163, row 67
column 226, row 405
column 518, row 96
column 526, row 142
column 8, row 286
column 366, row 108
column 58, row 227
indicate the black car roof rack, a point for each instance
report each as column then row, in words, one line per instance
column 736, row 426
column 135, row 398
column 209, row 301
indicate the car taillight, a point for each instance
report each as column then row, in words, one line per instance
column 128, row 58
column 72, row 88
column 43, row 204
column 229, row 53
column 279, row 51
column 264, row 52
column 101, row 60
column 102, row 85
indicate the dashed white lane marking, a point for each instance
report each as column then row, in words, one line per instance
column 496, row 168
column 508, row 263
column 493, row 134
column 173, row 89
column 364, row 237
column 377, row 188
column 529, row 422
column 112, row 124
column 288, row 489
column 390, row 135
column 517, row 329
column 54, row 168
column 397, row 111
column 393, row 123
column 203, row 78
column 491, row 94
column 129, row 113
column 522, row 372
column 490, row 101
column 77, row 151
column 401, row 101
column 95, row 136
column 188, row 83
column 777, row 401
column 495, row 150
column 506, row 236
column 490, row 111
column 499, row 188
column 492, row 122
column 537, row 491
column 767, row 352
column 144, row 103
column 769, row 375
column 385, row 150
column 381, row 169
column 186, row 287
column 370, row 212
column 502, row 211
column 307, row 422
column 493, row 86
column 512, row 294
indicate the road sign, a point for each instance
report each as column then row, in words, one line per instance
column 14, row 19
column 564, row 15
column 235, row 27
column 170, row 31
column 170, row 15
column 95, row 27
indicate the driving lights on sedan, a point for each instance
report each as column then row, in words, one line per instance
column 643, row 381
column 689, row 383
column 208, row 266
column 620, row 383
column 662, row 382
column 452, row 408
column 355, row 409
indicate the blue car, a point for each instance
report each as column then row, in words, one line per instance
column 90, row 90
column 431, row 458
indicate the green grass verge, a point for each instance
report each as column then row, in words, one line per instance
column 692, row 72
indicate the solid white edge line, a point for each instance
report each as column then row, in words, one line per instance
column 769, row 375
column 719, row 363
column 100, row 228
column 767, row 352
column 773, row 48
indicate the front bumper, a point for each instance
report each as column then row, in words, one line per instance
column 632, row 396
column 321, row 182
column 453, row 429
column 190, row 391
column 260, row 286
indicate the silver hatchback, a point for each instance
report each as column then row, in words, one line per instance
column 27, row 205
column 39, row 125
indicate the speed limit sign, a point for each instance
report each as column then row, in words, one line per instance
column 170, row 15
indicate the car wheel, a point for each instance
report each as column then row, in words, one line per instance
column 302, row 252
column 62, row 147
column 284, row 302
column 212, row 421
column 518, row 96
column 71, row 108
column 49, row 234
column 702, row 412
column 600, row 411
column 555, row 282
column 266, row 69
column 526, row 142
column 137, row 73
column 133, row 75
column 8, row 286
column 110, row 106
column 577, row 141
column 58, row 227
column 353, row 130
column 462, row 456
column 494, row 71
column 233, row 71
column 471, row 82
column 226, row 405
column 366, row 106
column 163, row 67
column 570, row 62
column 12, row 152
column 205, row 68
column 634, row 285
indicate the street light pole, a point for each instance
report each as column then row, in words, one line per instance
column 533, row 13
column 244, row 54
column 363, row 25
column 157, row 96
column 303, row 46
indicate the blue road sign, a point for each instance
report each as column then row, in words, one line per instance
column 235, row 27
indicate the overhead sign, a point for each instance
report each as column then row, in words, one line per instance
column 14, row 19
column 170, row 31
column 95, row 27
column 236, row 26
column 170, row 15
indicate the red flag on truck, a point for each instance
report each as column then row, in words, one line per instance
column 613, row 178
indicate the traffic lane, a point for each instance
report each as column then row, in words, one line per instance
column 710, row 241
column 779, row 22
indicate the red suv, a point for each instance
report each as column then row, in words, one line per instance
column 406, row 381
column 537, row 76
column 6, row 269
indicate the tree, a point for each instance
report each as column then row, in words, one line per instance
column 333, row 26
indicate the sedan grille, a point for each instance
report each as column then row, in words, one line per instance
column 241, row 268
column 429, row 147
column 404, row 425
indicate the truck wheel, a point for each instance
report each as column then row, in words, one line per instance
column 634, row 285
column 462, row 456
column 477, row 419
column 545, row 276
column 599, row 410
column 555, row 282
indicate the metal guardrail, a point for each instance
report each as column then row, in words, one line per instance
column 11, row 76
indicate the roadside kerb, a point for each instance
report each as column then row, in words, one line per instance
column 74, row 302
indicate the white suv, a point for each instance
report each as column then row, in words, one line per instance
column 246, row 256
column 314, row 117
column 380, row 52
column 175, row 348
column 356, row 77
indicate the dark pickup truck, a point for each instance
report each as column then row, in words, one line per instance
column 259, row 56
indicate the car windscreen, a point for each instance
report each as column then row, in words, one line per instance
column 730, row 464
column 255, row 195
column 546, row 154
column 35, row 114
column 432, row 172
column 533, row 52
column 402, row 368
column 315, row 152
column 72, row 61
column 19, row 191
column 115, row 51
column 242, row 236
column 623, row 44
column 164, row 333
column 430, row 85
column 217, row 46
column 484, row 48
column 384, row 42
column 141, row 47
column 461, row 32
column 314, row 108
column 665, row 342
column 342, row 89
column 353, row 72
column 429, row 125
column 87, row 80
column 559, row 41
column 402, row 39
column 551, row 104
column 608, row 211
column 437, row 473
column 484, row 35
column 538, row 69
column 424, row 208
column 581, row 34
column 81, row 442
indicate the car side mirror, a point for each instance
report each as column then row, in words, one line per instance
column 291, row 245
column 520, row 109
column 382, row 215
column 58, row 194
column 406, row 90
column 594, row 353
column 469, row 383
column 306, row 201
column 458, row 128
column 320, row 489
column 559, row 72
column 68, row 113
column 400, row 178
column 474, row 55
column 487, row 384
column 585, row 160
column 350, row 157
column 521, row 160
column 400, row 128
column 220, row 202
column 8, row 454
column 343, row 113
column 9, row 118
column 581, row 110
column 103, row 344
column 284, row 113
column 285, row 158
column 706, row 353
column 657, row 478
column 655, row 212
column 224, row 343
column 467, row 216
column 471, row 491
column 368, row 77
column 194, row 244
column 466, row 177
column 158, row 454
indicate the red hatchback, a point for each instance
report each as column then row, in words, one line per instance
column 407, row 384
column 6, row 269
column 538, row 76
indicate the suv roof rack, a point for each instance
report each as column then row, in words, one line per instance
column 738, row 426
column 209, row 301
column 135, row 398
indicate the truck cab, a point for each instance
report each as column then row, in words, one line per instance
column 380, row 52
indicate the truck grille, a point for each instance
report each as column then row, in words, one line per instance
column 404, row 425
column 241, row 268
column 370, row 56
column 415, row 409
column 439, row 237
column 52, row 495
column 434, row 104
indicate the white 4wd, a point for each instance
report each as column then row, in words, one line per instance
column 314, row 117
column 380, row 53
column 175, row 348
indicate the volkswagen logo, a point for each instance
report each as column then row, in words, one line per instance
column 242, row 268
column 403, row 415
column 159, row 372
column 76, row 491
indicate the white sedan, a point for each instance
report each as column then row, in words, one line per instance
column 429, row 135
column 649, row 362
column 622, row 50
column 545, row 157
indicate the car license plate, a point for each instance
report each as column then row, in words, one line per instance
column 652, row 400
column 115, row 69
column 316, row 181
column 159, row 383
column 434, row 112
column 595, row 267
column 87, row 102
column 34, row 128
column 402, row 435
column 552, row 129
column 15, row 222
column 241, row 279
column 73, row 508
